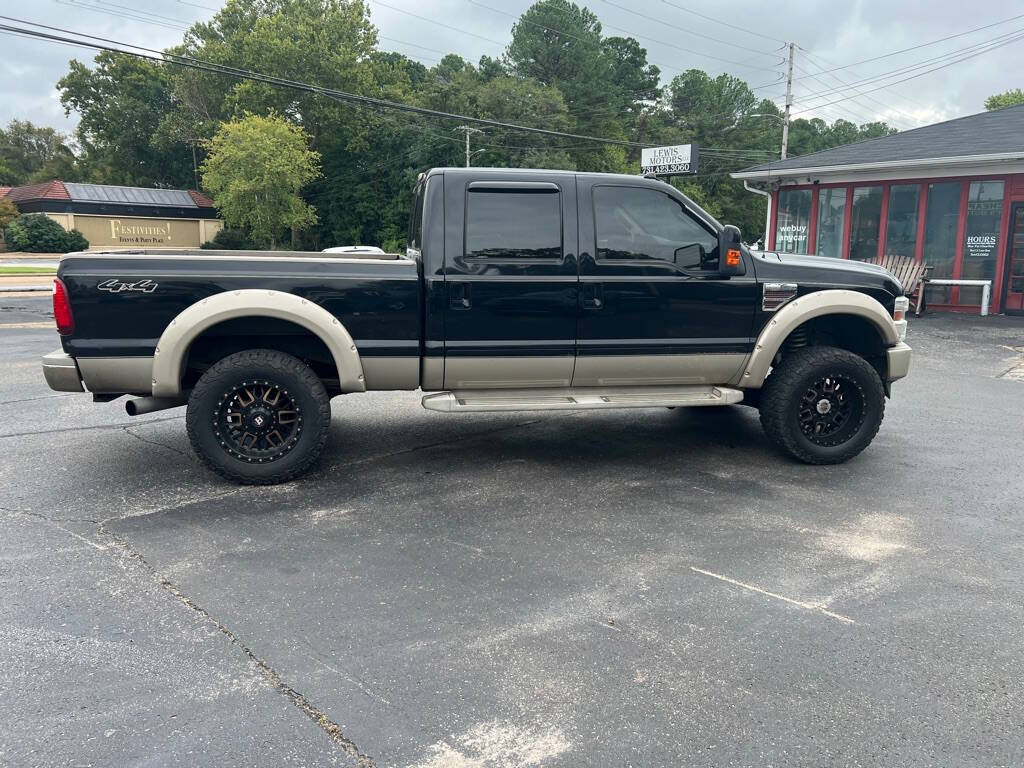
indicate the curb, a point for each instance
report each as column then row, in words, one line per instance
column 24, row 288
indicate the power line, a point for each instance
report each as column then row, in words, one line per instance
column 723, row 23
column 922, row 45
column 438, row 23
column 521, row 19
column 662, row 22
column 950, row 58
column 116, row 46
column 817, row 62
column 858, row 114
column 933, row 69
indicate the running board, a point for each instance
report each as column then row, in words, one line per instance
column 579, row 399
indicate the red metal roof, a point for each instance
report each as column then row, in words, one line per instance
column 200, row 199
column 47, row 190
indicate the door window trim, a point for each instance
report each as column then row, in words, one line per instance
column 644, row 262
column 540, row 187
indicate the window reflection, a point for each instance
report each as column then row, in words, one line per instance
column 831, row 216
column 940, row 235
column 794, row 218
column 901, row 225
column 866, row 217
column 981, row 236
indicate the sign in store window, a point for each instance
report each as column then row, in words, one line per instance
column 794, row 221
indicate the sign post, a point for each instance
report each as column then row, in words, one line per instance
column 678, row 160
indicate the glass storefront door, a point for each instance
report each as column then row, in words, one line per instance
column 981, row 237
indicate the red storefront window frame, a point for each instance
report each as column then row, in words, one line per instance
column 922, row 212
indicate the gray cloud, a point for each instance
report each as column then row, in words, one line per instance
column 828, row 34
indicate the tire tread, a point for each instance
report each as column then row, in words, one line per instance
column 786, row 378
column 232, row 367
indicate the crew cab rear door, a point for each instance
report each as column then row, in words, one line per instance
column 511, row 280
column 653, row 308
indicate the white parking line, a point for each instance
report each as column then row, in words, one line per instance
column 800, row 603
column 47, row 324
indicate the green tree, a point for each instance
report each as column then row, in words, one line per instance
column 255, row 170
column 8, row 213
column 1009, row 98
column 121, row 103
column 31, row 153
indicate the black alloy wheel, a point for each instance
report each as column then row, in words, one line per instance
column 258, row 417
column 822, row 405
column 258, row 421
column 831, row 410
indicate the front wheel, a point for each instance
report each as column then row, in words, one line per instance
column 258, row 417
column 822, row 405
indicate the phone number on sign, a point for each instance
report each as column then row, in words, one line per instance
column 670, row 168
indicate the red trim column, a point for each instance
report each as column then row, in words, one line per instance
column 961, row 227
column 1002, row 252
column 812, row 225
column 922, row 212
column 847, row 222
column 775, row 219
column 883, row 220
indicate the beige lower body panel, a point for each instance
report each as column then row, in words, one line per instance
column 656, row 370
column 117, row 375
column 391, row 372
column 507, row 372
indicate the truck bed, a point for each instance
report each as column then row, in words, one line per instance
column 123, row 300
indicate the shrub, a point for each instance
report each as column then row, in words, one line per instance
column 37, row 233
column 230, row 240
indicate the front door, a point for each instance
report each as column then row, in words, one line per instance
column 1014, row 302
column 654, row 310
column 511, row 280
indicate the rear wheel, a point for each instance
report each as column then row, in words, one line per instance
column 258, row 417
column 822, row 405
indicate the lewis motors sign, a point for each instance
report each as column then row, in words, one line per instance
column 679, row 160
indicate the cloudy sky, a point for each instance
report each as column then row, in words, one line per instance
column 742, row 37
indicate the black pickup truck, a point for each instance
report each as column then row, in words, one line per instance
column 519, row 290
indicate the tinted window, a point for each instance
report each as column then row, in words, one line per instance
column 794, row 221
column 831, row 216
column 513, row 224
column 864, row 223
column 638, row 223
column 941, row 215
column 901, row 227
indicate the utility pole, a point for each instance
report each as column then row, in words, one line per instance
column 468, row 129
column 789, row 103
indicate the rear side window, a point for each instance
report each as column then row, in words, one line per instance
column 636, row 223
column 519, row 224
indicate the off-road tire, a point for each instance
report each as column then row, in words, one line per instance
column 310, row 402
column 783, row 400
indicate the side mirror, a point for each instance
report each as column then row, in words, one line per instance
column 730, row 255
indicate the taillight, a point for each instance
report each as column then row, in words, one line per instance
column 62, row 309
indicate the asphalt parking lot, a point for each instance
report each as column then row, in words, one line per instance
column 634, row 588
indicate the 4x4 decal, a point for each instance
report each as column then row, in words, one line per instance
column 117, row 286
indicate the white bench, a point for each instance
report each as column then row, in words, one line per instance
column 986, row 289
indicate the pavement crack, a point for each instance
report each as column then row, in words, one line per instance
column 128, row 431
column 85, row 429
column 300, row 700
